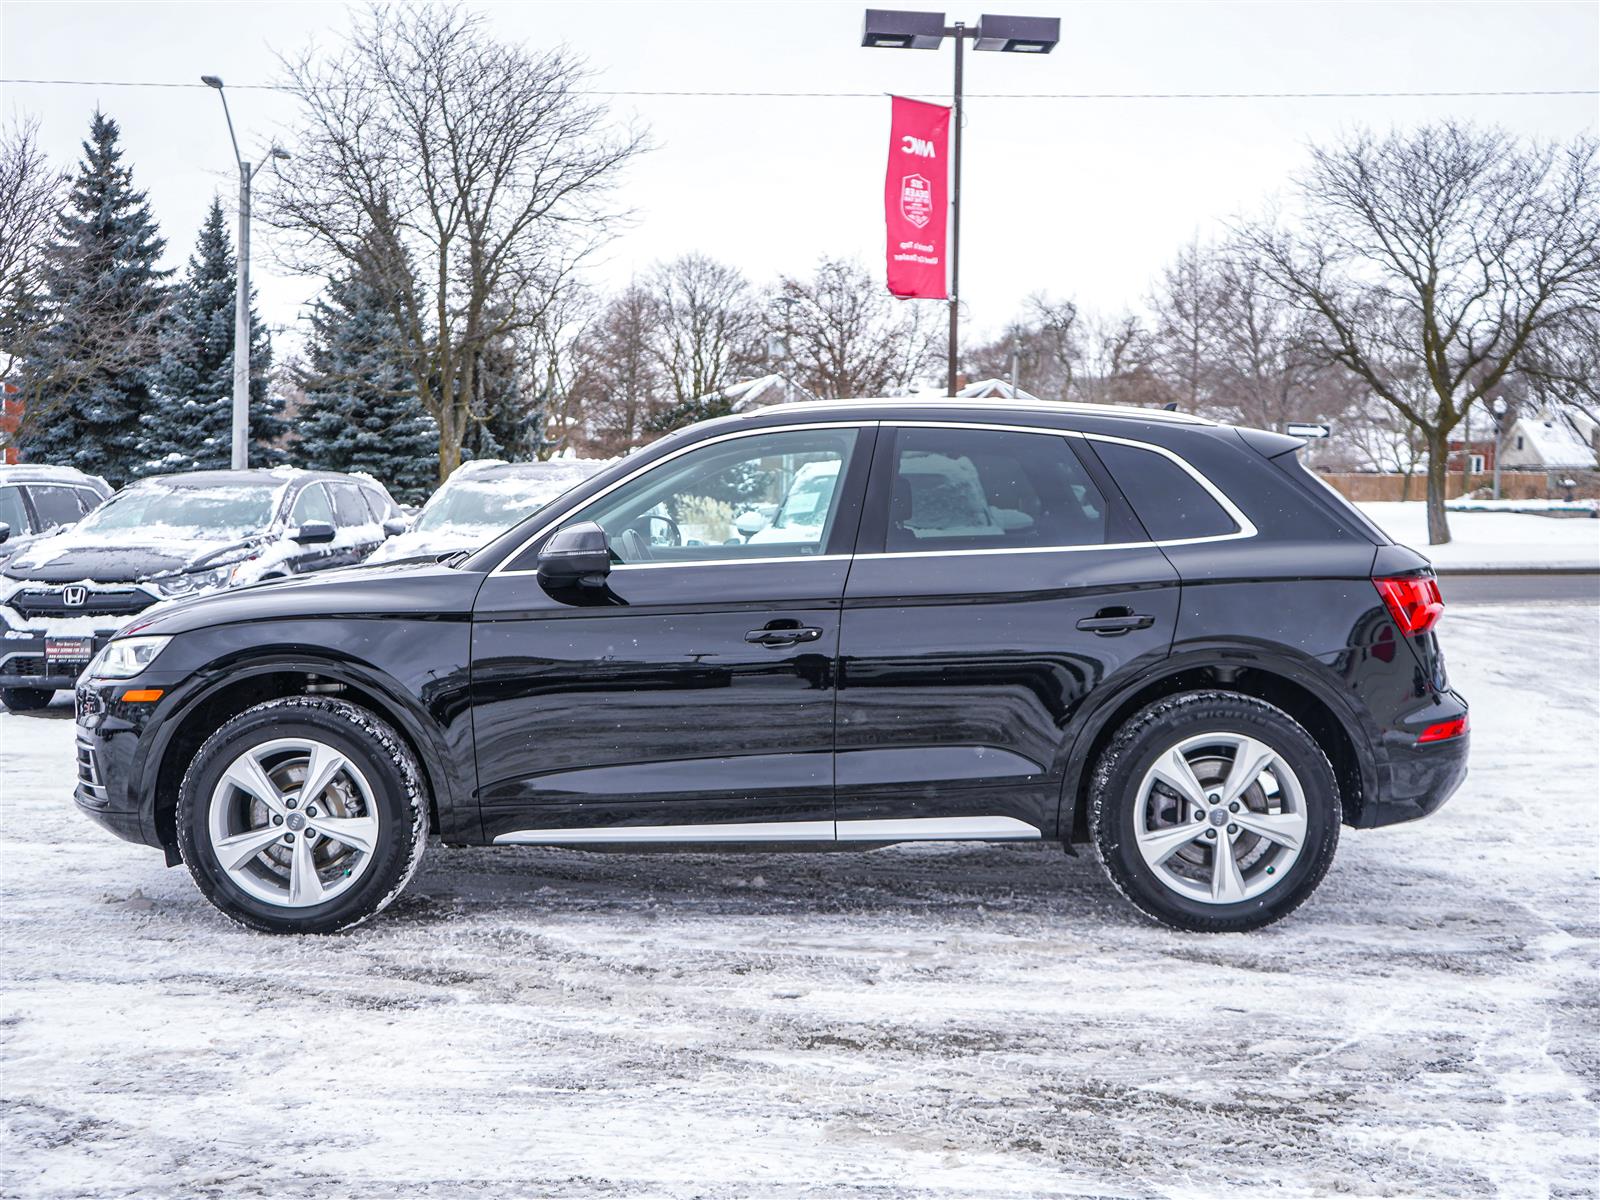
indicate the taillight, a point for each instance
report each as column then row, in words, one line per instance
column 1413, row 601
column 1443, row 731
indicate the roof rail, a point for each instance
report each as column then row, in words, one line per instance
column 1041, row 406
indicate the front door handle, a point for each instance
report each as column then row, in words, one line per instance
column 1109, row 622
column 778, row 638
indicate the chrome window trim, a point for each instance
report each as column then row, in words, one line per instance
column 502, row 569
column 1246, row 528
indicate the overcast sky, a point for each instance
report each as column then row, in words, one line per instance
column 1075, row 197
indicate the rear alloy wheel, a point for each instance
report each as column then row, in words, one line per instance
column 1214, row 811
column 302, row 815
column 26, row 699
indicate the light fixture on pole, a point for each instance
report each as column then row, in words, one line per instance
column 891, row 29
column 239, row 459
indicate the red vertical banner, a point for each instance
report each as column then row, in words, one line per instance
column 916, row 198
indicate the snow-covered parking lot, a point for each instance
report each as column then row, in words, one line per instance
column 959, row 1021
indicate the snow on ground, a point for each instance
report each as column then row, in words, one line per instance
column 913, row 1022
column 1493, row 539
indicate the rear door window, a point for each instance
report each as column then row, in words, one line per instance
column 348, row 507
column 978, row 489
column 1170, row 502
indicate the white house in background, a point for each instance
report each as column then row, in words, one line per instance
column 1560, row 437
column 749, row 394
column 995, row 389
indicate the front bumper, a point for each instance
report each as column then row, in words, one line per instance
column 110, row 754
column 24, row 662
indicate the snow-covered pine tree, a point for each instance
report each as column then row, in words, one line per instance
column 87, row 375
column 189, row 424
column 361, row 411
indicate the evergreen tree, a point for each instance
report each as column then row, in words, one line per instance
column 86, row 376
column 361, row 411
column 189, row 425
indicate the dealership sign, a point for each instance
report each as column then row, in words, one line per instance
column 916, row 198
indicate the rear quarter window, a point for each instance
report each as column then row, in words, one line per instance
column 1170, row 502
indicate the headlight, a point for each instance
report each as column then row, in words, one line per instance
column 194, row 581
column 123, row 658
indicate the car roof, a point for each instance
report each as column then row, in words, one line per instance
column 498, row 469
column 44, row 473
column 960, row 408
column 252, row 476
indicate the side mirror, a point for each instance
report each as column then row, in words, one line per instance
column 394, row 527
column 313, row 532
column 5, row 532
column 750, row 523
column 577, row 554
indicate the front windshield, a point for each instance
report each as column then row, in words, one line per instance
column 233, row 511
column 489, row 505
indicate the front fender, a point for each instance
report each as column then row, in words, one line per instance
column 418, row 677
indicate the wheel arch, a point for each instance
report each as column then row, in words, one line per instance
column 1294, row 687
column 242, row 685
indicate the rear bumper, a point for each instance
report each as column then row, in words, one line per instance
column 1421, row 776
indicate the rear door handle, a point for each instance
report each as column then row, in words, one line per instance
column 783, row 637
column 1110, row 622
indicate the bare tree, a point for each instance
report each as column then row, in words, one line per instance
column 31, row 195
column 846, row 337
column 619, row 389
column 1184, row 338
column 470, row 175
column 1440, row 253
column 707, row 333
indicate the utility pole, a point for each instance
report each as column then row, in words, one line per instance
column 899, row 29
column 959, row 32
column 239, row 459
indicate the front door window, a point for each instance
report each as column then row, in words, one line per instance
column 767, row 495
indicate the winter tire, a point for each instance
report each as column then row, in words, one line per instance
column 23, row 700
column 302, row 815
column 1214, row 812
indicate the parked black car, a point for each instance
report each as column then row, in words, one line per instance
column 63, row 597
column 1133, row 629
column 38, row 500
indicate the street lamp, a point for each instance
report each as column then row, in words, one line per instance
column 240, row 458
column 891, row 29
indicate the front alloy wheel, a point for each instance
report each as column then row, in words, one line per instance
column 1215, row 812
column 302, row 815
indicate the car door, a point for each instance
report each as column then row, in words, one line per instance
column 999, row 579
column 691, row 698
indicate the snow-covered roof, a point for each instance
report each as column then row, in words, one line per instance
column 995, row 389
column 1557, row 439
column 762, row 390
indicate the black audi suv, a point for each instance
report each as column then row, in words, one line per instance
column 63, row 596
column 837, row 624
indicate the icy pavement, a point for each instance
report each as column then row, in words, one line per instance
column 914, row 1022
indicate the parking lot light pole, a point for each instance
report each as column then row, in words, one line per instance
column 893, row 29
column 239, row 459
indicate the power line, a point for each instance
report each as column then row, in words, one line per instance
column 1353, row 95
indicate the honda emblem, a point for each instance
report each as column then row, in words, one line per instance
column 74, row 595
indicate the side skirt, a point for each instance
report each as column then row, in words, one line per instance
column 918, row 829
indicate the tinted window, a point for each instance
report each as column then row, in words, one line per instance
column 976, row 489
column 348, row 507
column 55, row 505
column 11, row 512
column 762, row 496
column 1170, row 502
column 312, row 505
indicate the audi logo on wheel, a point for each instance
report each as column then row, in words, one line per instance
column 74, row 595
